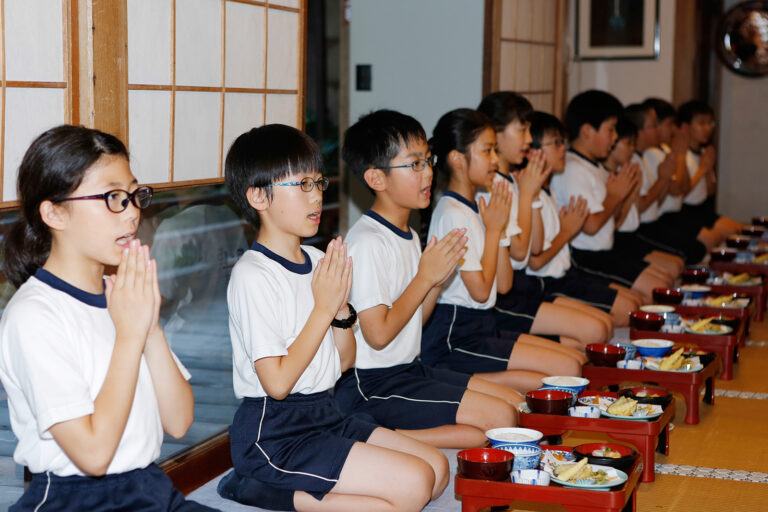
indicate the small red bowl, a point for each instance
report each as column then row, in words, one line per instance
column 760, row 221
column 603, row 354
column 737, row 241
column 627, row 459
column 668, row 296
column 485, row 463
column 696, row 275
column 645, row 321
column 723, row 255
column 753, row 231
column 549, row 401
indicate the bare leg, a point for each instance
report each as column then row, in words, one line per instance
column 447, row 436
column 604, row 317
column 519, row 380
column 727, row 226
column 709, row 238
column 671, row 264
column 646, row 282
column 637, row 298
column 375, row 479
column 544, row 356
column 575, row 344
column 621, row 309
column 485, row 411
column 556, row 319
column 508, row 394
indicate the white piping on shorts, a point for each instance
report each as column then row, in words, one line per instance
column 513, row 313
column 593, row 304
column 269, row 461
column 399, row 396
column 486, row 356
column 450, row 329
column 45, row 496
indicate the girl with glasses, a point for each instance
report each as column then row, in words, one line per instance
column 91, row 382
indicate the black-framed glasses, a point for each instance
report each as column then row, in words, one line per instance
column 418, row 166
column 117, row 200
column 558, row 143
column 307, row 184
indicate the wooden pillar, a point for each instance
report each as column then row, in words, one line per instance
column 103, row 70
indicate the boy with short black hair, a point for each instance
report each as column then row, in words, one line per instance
column 591, row 119
column 395, row 290
column 290, row 325
column 698, row 212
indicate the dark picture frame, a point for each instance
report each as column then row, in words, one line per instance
column 617, row 29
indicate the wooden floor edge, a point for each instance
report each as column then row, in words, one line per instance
column 199, row 464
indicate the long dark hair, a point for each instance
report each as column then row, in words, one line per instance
column 457, row 129
column 52, row 168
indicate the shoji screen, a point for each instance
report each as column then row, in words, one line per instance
column 35, row 91
column 527, row 46
column 200, row 72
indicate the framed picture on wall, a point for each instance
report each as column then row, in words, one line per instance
column 617, row 29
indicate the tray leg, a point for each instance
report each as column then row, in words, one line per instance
column 709, row 391
column 631, row 505
column 476, row 503
column 662, row 445
column 644, row 445
column 692, row 405
column 727, row 366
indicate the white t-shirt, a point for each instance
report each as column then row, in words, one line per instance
column 631, row 221
column 513, row 228
column 588, row 179
column 697, row 194
column 270, row 300
column 653, row 158
column 386, row 261
column 454, row 211
column 550, row 218
column 650, row 176
column 56, row 343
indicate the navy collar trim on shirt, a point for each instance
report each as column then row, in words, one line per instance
column 296, row 268
column 584, row 157
column 462, row 199
column 384, row 222
column 97, row 300
column 696, row 152
column 509, row 178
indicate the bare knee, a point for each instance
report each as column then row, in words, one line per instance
column 414, row 491
column 502, row 414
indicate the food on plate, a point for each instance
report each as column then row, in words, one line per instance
column 673, row 362
column 567, row 472
column 763, row 258
column 607, row 452
column 623, row 407
column 701, row 325
column 740, row 278
column 645, row 394
column 719, row 301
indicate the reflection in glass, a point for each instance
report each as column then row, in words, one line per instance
column 742, row 40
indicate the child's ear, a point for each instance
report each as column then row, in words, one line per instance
column 586, row 131
column 53, row 215
column 257, row 198
column 457, row 160
column 375, row 178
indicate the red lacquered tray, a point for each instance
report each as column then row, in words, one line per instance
column 743, row 313
column 724, row 345
column 646, row 436
column 738, row 268
column 478, row 494
column 689, row 384
column 756, row 293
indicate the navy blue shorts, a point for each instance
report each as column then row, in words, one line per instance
column 699, row 215
column 617, row 267
column 630, row 246
column 409, row 396
column 147, row 489
column 466, row 340
column 579, row 285
column 671, row 238
column 299, row 443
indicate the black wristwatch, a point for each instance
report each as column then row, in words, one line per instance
column 348, row 322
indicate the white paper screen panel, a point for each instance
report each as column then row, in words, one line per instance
column 283, row 51
column 28, row 113
column 198, row 42
column 245, row 50
column 34, row 40
column 149, row 42
column 241, row 113
column 197, row 127
column 281, row 108
column 149, row 133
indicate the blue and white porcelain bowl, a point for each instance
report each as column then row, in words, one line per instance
column 630, row 364
column 515, row 435
column 530, row 477
column 526, row 456
column 573, row 384
column 584, row 411
column 631, row 349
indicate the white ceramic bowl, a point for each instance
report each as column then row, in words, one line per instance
column 651, row 347
column 530, row 477
column 508, row 435
column 576, row 384
column 657, row 308
column 584, row 411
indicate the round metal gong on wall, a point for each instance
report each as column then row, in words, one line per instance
column 742, row 38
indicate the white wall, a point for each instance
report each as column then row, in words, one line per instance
column 426, row 57
column 743, row 153
column 629, row 80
